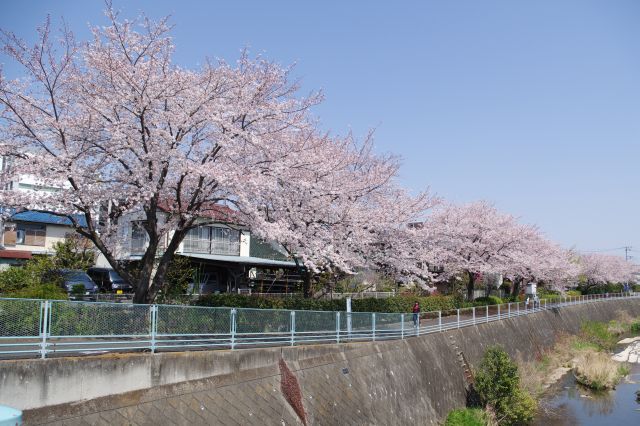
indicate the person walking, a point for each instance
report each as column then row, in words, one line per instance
column 416, row 314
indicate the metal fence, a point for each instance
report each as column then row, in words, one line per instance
column 44, row 328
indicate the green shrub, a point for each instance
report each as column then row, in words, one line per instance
column 74, row 252
column 78, row 290
column 498, row 385
column 391, row 304
column 27, row 280
column 488, row 300
column 600, row 288
column 466, row 417
column 635, row 327
column 44, row 291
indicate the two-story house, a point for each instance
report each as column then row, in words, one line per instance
column 27, row 233
column 225, row 255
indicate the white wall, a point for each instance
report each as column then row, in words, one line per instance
column 245, row 243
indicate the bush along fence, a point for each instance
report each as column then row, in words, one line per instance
column 31, row 328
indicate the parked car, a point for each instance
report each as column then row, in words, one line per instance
column 109, row 281
column 73, row 277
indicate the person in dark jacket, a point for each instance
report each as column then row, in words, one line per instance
column 416, row 314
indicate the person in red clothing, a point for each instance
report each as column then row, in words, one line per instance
column 416, row 314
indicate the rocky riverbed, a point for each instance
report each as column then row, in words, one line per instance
column 631, row 352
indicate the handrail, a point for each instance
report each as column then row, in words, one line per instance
column 45, row 328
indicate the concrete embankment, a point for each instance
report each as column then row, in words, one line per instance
column 412, row 381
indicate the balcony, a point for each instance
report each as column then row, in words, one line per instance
column 206, row 246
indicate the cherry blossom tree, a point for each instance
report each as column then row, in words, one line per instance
column 470, row 239
column 122, row 130
column 338, row 197
column 597, row 269
column 536, row 258
column 476, row 239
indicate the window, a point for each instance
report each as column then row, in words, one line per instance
column 7, row 163
column 208, row 239
column 10, row 235
column 198, row 240
column 139, row 238
column 225, row 241
column 26, row 234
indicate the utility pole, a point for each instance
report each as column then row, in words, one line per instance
column 626, row 252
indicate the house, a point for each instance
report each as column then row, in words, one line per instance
column 226, row 256
column 29, row 233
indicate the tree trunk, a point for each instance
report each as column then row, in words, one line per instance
column 155, row 282
column 515, row 289
column 306, row 285
column 470, row 286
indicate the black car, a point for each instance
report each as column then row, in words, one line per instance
column 73, row 278
column 108, row 281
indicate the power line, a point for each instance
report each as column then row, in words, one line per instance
column 603, row 250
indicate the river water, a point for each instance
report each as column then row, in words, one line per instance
column 569, row 403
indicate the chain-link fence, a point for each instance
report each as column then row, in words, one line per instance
column 315, row 326
column 47, row 328
column 20, row 318
column 21, row 322
column 87, row 319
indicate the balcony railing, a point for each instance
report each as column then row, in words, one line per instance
column 230, row 248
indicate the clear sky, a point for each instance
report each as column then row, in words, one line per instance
column 534, row 105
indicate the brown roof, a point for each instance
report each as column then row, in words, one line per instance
column 213, row 211
column 15, row 254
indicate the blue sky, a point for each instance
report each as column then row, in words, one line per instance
column 534, row 105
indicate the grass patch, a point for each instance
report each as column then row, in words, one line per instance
column 602, row 335
column 466, row 417
column 597, row 371
column 580, row 345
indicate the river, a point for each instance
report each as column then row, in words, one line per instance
column 568, row 403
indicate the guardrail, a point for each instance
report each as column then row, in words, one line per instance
column 45, row 328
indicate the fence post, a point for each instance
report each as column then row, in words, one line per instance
column 440, row 320
column 474, row 315
column 44, row 326
column 545, row 304
column 518, row 309
column 293, row 327
column 154, row 326
column 498, row 312
column 402, row 326
column 337, row 327
column 373, row 326
column 487, row 308
column 458, row 316
column 232, row 327
column 509, row 310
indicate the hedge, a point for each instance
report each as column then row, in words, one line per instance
column 391, row 304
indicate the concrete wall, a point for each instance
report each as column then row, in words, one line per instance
column 413, row 381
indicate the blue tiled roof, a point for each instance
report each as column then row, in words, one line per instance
column 41, row 217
